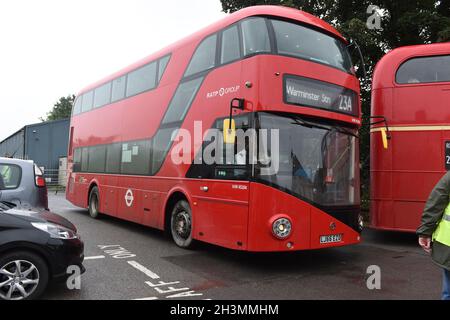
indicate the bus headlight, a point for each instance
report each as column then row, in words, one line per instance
column 281, row 228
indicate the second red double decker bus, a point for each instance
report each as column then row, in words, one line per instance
column 411, row 92
column 273, row 69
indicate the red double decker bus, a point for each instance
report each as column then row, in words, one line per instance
column 269, row 69
column 411, row 100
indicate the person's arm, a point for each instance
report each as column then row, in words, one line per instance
column 433, row 211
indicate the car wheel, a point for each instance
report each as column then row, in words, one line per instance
column 23, row 276
column 94, row 200
column 181, row 225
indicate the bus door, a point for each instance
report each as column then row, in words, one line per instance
column 221, row 213
column 221, row 210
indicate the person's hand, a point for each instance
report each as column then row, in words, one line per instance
column 425, row 243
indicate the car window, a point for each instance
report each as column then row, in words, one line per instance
column 10, row 176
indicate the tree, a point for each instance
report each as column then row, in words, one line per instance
column 403, row 22
column 61, row 109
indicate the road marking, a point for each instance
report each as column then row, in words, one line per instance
column 118, row 252
column 149, row 298
column 94, row 258
column 169, row 291
column 143, row 269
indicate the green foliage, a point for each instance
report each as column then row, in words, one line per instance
column 403, row 22
column 61, row 109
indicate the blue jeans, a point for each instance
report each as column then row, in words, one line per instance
column 446, row 285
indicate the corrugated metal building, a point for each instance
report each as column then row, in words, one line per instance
column 43, row 142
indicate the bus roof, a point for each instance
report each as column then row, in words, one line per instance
column 274, row 11
column 386, row 68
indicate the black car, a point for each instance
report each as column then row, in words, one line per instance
column 35, row 248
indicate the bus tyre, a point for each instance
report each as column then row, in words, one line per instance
column 23, row 276
column 181, row 224
column 94, row 200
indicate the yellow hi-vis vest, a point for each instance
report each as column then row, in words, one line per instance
column 442, row 233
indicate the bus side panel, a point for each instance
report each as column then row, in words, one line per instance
column 152, row 209
column 415, row 172
column 220, row 212
column 265, row 204
column 108, row 195
column 421, row 104
column 81, row 189
column 381, row 212
column 130, row 198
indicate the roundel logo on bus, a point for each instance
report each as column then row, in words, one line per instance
column 129, row 198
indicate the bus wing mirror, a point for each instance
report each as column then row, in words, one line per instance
column 229, row 125
column 229, row 131
column 363, row 63
column 384, row 138
column 385, row 134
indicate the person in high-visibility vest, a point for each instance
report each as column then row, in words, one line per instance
column 434, row 230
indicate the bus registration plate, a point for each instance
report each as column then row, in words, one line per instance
column 333, row 238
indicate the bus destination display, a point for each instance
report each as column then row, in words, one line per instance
column 317, row 94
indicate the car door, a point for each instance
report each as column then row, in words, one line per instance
column 10, row 183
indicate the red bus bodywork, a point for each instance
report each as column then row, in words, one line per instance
column 232, row 214
column 403, row 175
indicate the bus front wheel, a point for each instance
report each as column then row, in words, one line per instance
column 94, row 200
column 181, row 224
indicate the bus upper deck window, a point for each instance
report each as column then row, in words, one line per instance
column 230, row 45
column 306, row 43
column 255, row 35
column 88, row 101
column 424, row 70
column 77, row 106
column 204, row 57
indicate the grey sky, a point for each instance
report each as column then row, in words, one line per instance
column 52, row 48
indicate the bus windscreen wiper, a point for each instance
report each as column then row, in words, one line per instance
column 307, row 124
column 314, row 125
column 346, row 131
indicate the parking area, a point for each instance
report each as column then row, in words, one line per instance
column 126, row 261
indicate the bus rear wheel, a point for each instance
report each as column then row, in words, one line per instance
column 94, row 200
column 181, row 224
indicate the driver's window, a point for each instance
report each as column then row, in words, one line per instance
column 218, row 160
column 232, row 162
column 10, row 176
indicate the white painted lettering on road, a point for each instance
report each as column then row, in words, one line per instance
column 185, row 295
column 94, row 258
column 117, row 252
column 143, row 269
column 182, row 292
